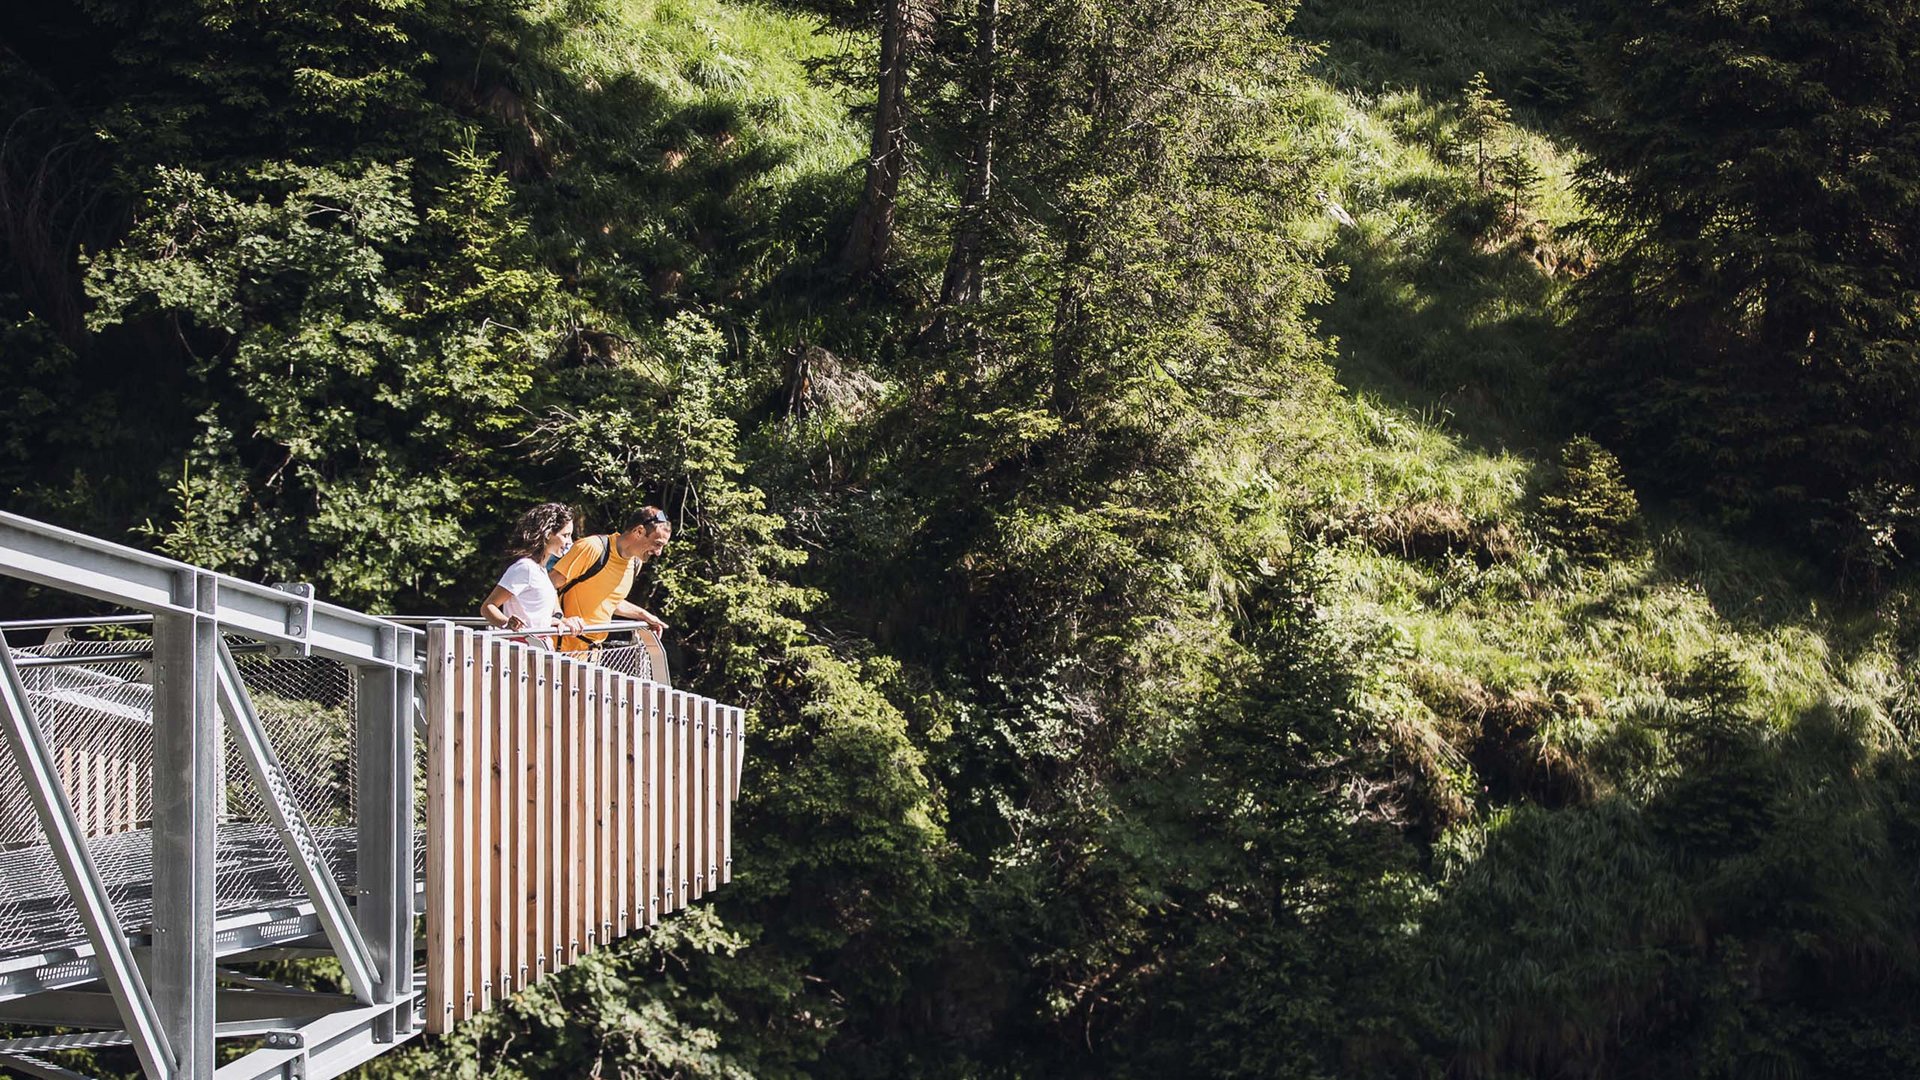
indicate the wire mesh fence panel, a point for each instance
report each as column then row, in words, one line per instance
column 641, row 659
column 306, row 708
column 94, row 707
column 95, row 710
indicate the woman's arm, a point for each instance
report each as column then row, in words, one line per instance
column 491, row 610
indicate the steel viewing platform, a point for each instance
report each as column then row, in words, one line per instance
column 235, row 774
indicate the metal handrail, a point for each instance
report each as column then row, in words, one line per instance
column 130, row 656
column 76, row 621
column 592, row 628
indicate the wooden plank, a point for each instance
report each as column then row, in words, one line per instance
column 683, row 802
column 513, row 798
column 585, row 698
column 670, row 805
column 509, row 803
column 587, row 928
column 537, row 831
column 650, row 788
column 496, row 654
column 463, row 974
column 524, row 819
column 576, row 808
column 620, row 805
column 439, row 838
column 697, row 833
column 664, row 887
column 555, row 815
column 710, row 797
column 69, row 765
column 598, row 794
column 557, row 811
column 590, row 842
column 696, row 738
column 613, row 756
column 711, row 792
column 638, row 867
column 122, row 780
column 608, row 889
column 80, row 782
column 716, row 742
column 731, row 737
column 73, row 777
column 483, row 732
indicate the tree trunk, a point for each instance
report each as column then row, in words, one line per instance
column 870, row 241
column 961, row 283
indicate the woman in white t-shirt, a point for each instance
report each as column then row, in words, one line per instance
column 525, row 598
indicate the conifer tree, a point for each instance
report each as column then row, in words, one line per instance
column 1755, row 172
column 1483, row 125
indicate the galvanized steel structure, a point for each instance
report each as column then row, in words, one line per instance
column 230, row 777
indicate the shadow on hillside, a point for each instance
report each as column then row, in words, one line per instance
column 1527, row 48
column 1452, row 330
column 1786, row 848
column 650, row 197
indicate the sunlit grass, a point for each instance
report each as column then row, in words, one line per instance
column 1449, row 329
column 696, row 52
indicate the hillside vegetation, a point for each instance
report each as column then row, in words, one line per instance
column 1244, row 535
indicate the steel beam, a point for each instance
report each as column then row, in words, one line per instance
column 76, row 563
column 186, row 805
column 94, row 1009
column 111, row 951
column 330, row 1045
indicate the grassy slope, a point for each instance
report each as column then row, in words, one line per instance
column 1447, row 331
column 691, row 152
column 1447, row 336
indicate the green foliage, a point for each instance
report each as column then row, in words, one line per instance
column 315, row 355
column 1126, row 695
column 1588, row 509
column 1483, row 126
column 1710, row 920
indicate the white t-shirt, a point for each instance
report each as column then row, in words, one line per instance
column 533, row 599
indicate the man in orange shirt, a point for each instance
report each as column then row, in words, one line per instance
column 594, row 576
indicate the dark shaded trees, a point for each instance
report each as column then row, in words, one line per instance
column 1755, row 178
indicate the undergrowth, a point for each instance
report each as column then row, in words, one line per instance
column 1517, row 670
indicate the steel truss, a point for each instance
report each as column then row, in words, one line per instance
column 158, row 989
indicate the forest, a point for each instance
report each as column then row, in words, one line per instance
column 1305, row 538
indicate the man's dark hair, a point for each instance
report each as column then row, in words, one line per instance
column 646, row 515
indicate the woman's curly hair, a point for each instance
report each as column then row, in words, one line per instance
column 534, row 527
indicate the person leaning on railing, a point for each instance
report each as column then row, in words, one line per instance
column 525, row 598
column 593, row 578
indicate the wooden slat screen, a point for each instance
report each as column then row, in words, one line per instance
column 567, row 805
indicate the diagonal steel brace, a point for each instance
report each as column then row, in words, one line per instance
column 291, row 824
column 50, row 803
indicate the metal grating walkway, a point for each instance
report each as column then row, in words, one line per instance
column 253, row 865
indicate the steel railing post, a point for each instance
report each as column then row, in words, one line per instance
column 383, row 810
column 187, row 768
